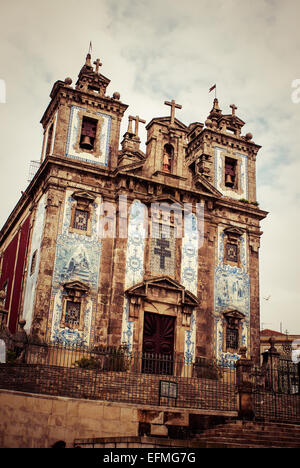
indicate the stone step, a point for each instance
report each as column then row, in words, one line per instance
column 253, row 437
column 250, row 442
column 252, row 434
column 254, row 431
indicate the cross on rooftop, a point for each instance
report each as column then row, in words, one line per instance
column 233, row 107
column 98, row 65
column 173, row 106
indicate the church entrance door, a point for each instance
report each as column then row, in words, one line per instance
column 158, row 344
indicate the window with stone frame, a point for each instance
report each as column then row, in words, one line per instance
column 80, row 220
column 232, row 330
column 72, row 313
column 232, row 338
column 74, row 304
column 230, row 172
column 232, row 252
column 81, row 214
column 232, row 246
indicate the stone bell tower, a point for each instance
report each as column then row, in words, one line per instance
column 83, row 123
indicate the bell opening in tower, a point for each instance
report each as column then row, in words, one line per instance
column 88, row 133
column 230, row 172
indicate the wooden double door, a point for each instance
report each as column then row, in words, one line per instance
column 158, row 344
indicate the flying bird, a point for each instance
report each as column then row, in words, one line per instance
column 267, row 298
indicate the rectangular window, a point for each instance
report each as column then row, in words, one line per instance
column 72, row 314
column 231, row 252
column 88, row 133
column 81, row 219
column 232, row 338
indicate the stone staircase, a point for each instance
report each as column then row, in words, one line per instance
column 241, row 434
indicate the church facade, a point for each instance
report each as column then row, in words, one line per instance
column 158, row 250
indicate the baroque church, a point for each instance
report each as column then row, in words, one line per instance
column 158, row 250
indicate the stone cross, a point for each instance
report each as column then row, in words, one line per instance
column 233, row 107
column 98, row 65
column 137, row 120
column 173, row 106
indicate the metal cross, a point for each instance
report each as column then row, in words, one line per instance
column 173, row 106
column 233, row 107
column 98, row 65
column 162, row 252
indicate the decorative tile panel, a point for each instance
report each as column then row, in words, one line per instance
column 73, row 138
column 77, row 258
column 135, row 252
column 189, row 257
column 190, row 340
column 189, row 275
column 219, row 171
column 232, row 290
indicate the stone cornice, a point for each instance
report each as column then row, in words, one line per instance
column 61, row 92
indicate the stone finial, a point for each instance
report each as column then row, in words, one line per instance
column 116, row 96
column 88, row 61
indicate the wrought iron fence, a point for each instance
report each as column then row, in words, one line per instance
column 119, row 375
column 277, row 391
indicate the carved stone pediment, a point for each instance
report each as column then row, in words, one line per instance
column 232, row 313
column 154, row 288
column 168, row 199
column 76, row 288
column 83, row 195
column 233, row 231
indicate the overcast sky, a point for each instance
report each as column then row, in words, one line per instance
column 158, row 50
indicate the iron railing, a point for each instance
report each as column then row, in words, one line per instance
column 277, row 391
column 118, row 375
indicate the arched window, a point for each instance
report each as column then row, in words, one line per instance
column 168, row 158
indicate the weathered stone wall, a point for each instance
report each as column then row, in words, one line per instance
column 37, row 421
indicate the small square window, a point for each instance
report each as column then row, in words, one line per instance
column 81, row 219
column 72, row 313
